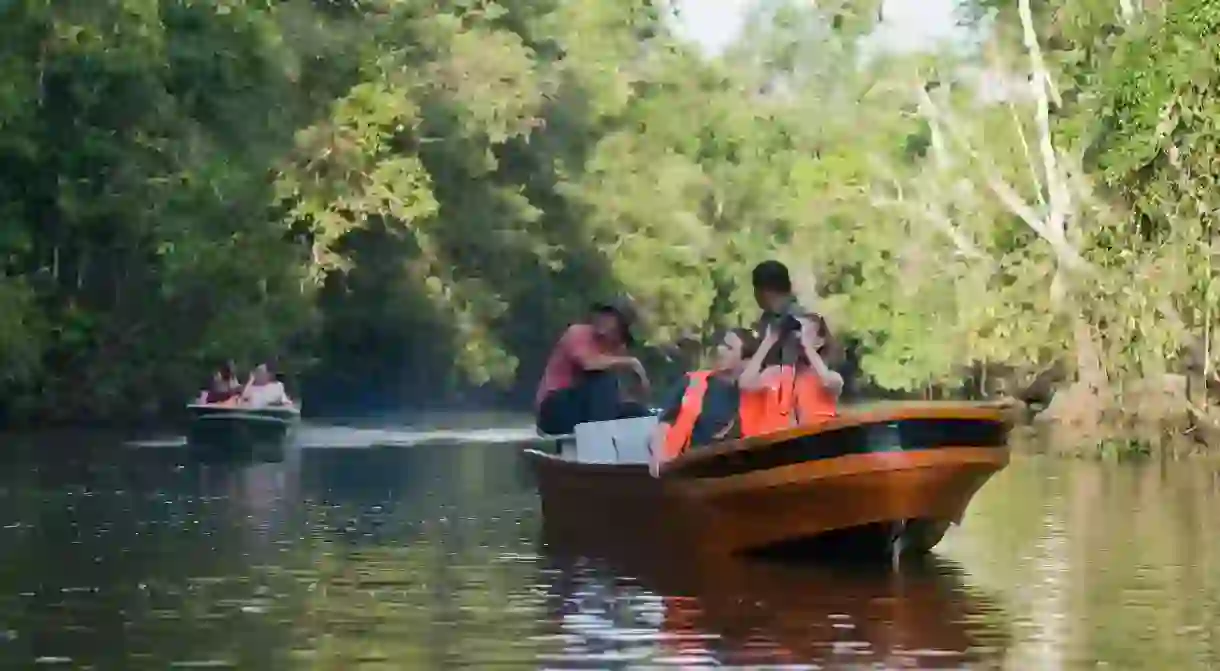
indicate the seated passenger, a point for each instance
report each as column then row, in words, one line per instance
column 223, row 387
column 798, row 392
column 263, row 390
column 581, row 383
column 706, row 406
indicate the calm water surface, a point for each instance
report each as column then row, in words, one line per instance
column 136, row 556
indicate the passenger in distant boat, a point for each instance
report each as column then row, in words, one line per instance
column 224, row 385
column 707, row 405
column 581, row 383
column 263, row 390
column 795, row 392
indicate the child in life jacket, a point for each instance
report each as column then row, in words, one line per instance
column 795, row 393
column 706, row 406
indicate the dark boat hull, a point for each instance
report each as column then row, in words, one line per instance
column 898, row 484
column 235, row 432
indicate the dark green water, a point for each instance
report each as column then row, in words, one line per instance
column 118, row 556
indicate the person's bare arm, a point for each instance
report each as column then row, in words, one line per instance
column 810, row 342
column 752, row 376
column 656, row 448
column 598, row 361
column 831, row 380
column 581, row 349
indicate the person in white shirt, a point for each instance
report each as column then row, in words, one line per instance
column 263, row 390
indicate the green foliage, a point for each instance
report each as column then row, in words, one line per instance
column 408, row 201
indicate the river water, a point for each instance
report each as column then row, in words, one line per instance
column 423, row 553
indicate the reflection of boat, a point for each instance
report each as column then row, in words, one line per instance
column 747, row 612
column 876, row 479
column 232, row 427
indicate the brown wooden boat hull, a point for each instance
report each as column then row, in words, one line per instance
column 762, row 495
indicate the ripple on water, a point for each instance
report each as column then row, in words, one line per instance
column 428, row 558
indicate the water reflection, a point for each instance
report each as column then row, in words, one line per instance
column 429, row 557
column 707, row 610
column 750, row 613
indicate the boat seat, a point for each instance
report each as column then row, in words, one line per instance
column 619, row 441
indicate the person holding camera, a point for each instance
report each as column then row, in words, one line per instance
column 789, row 368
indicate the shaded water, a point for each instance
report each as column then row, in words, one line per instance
column 136, row 556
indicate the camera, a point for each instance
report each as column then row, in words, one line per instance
column 785, row 322
column 789, row 324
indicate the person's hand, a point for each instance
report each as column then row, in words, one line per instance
column 638, row 369
column 654, row 467
column 770, row 337
column 810, row 337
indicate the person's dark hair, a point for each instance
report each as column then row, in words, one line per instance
column 771, row 275
column 749, row 341
column 830, row 351
column 624, row 312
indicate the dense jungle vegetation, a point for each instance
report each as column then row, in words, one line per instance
column 403, row 201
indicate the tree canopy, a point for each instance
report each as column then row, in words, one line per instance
column 404, row 201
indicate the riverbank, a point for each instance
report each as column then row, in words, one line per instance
column 1150, row 419
column 1059, row 430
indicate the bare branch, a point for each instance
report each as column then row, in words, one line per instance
column 1050, row 228
column 1126, row 10
column 937, row 218
column 999, row 63
column 939, row 118
column 1060, row 197
column 934, row 215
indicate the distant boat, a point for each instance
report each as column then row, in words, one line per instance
column 884, row 480
column 234, row 427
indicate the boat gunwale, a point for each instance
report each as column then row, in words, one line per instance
column 586, row 467
column 848, row 465
column 284, row 413
column 850, row 419
column 246, row 417
column 841, row 466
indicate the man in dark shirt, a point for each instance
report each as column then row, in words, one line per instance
column 773, row 293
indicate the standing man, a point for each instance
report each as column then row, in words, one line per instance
column 780, row 310
column 580, row 383
column 791, row 365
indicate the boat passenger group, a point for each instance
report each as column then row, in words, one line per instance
column 765, row 379
column 261, row 390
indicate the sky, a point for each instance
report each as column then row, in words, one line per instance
column 907, row 24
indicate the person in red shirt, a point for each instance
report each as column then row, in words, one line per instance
column 580, row 383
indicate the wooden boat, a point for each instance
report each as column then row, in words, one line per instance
column 234, row 427
column 887, row 479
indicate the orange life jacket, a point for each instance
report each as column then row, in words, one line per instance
column 755, row 413
column 677, row 438
column 797, row 399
